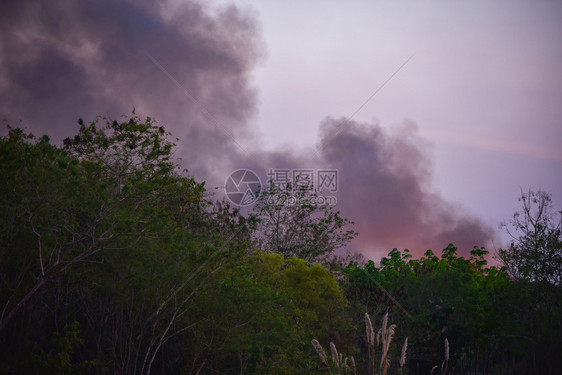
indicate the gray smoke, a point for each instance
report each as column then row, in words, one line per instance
column 385, row 186
column 177, row 62
column 187, row 65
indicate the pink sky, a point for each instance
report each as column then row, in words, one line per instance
column 439, row 154
column 484, row 86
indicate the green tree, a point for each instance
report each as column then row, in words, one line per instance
column 105, row 228
column 112, row 259
column 296, row 225
column 534, row 259
column 433, row 298
column 535, row 252
column 54, row 210
column 260, row 313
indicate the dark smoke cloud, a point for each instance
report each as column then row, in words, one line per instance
column 61, row 60
column 385, row 187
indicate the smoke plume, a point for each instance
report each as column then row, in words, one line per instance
column 385, row 186
column 187, row 65
column 182, row 63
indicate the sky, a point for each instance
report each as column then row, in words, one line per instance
column 435, row 114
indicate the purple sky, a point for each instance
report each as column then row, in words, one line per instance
column 439, row 154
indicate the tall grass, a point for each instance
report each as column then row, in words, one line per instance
column 337, row 364
column 378, row 347
column 403, row 354
column 445, row 362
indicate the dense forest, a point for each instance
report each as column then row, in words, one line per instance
column 113, row 260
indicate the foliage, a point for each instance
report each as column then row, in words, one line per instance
column 60, row 357
column 297, row 225
column 535, row 253
column 481, row 311
column 114, row 260
column 534, row 259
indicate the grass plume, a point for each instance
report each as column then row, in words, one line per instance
column 445, row 362
column 379, row 343
column 378, row 347
column 320, row 351
column 338, row 364
column 403, row 355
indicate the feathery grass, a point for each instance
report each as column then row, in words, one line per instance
column 382, row 339
column 445, row 362
column 378, row 347
column 339, row 364
column 403, row 354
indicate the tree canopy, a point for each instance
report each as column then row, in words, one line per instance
column 114, row 260
column 535, row 252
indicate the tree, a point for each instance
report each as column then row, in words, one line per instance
column 260, row 313
column 102, row 229
column 433, row 298
column 534, row 259
column 112, row 259
column 296, row 225
column 52, row 208
column 535, row 252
